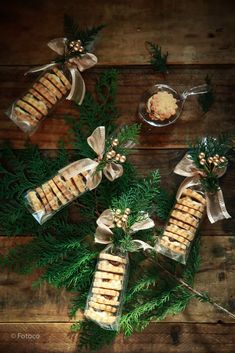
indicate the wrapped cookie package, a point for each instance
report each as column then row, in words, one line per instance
column 53, row 195
column 28, row 111
column 106, row 296
column 182, row 224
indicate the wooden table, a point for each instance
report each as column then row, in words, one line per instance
column 199, row 36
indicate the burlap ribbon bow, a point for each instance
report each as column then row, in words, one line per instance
column 75, row 66
column 111, row 170
column 105, row 223
column 216, row 209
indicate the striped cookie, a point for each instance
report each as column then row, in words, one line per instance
column 40, row 98
column 185, row 217
column 107, row 275
column 51, row 198
column 62, row 77
column 187, row 201
column 194, row 195
column 79, row 183
column 57, row 192
column 45, row 93
column 34, row 201
column 40, row 106
column 189, row 210
column 179, row 231
column 175, row 247
column 106, row 266
column 110, row 257
column 56, row 82
column 103, row 291
column 107, row 283
column 102, row 317
column 182, row 225
column 63, row 188
column 24, row 117
column 104, row 307
column 50, row 87
column 44, row 200
column 180, row 239
column 29, row 109
column 70, row 186
column 102, row 299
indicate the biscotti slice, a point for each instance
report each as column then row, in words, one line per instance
column 50, row 87
column 79, row 183
column 40, row 106
column 63, row 188
column 57, row 192
column 105, row 299
column 180, row 239
column 107, row 292
column 44, row 200
column 173, row 246
column 194, row 195
column 56, row 82
column 189, row 210
column 45, row 93
column 34, row 201
column 172, row 228
column 112, row 258
column 24, row 117
column 100, row 316
column 185, row 217
column 62, row 77
column 51, row 198
column 103, row 307
column 107, row 283
column 107, row 275
column 107, row 266
column 187, row 201
column 29, row 109
column 40, row 98
column 182, row 225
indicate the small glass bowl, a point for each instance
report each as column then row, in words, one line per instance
column 180, row 99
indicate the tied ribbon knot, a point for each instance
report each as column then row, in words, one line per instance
column 75, row 65
column 111, row 170
column 215, row 205
column 106, row 222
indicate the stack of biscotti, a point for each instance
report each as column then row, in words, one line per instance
column 51, row 196
column 31, row 108
column 103, row 305
column 183, row 224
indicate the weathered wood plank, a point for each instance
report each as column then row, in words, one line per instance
column 216, row 275
column 158, row 337
column 131, row 85
column 192, row 32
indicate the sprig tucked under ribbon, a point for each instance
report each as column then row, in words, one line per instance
column 73, row 50
column 217, row 166
column 112, row 169
column 110, row 219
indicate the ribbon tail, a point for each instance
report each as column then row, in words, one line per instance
column 97, row 140
column 216, row 209
column 40, row 68
column 58, row 45
column 78, row 88
column 113, row 171
column 103, row 235
column 142, row 245
column 145, row 223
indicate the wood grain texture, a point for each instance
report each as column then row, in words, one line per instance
column 131, row 85
column 192, row 32
column 19, row 302
column 157, row 338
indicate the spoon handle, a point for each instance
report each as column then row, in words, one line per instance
column 195, row 90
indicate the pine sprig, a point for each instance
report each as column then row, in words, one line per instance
column 73, row 32
column 158, row 59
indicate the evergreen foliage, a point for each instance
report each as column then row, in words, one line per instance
column 64, row 250
column 158, row 59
